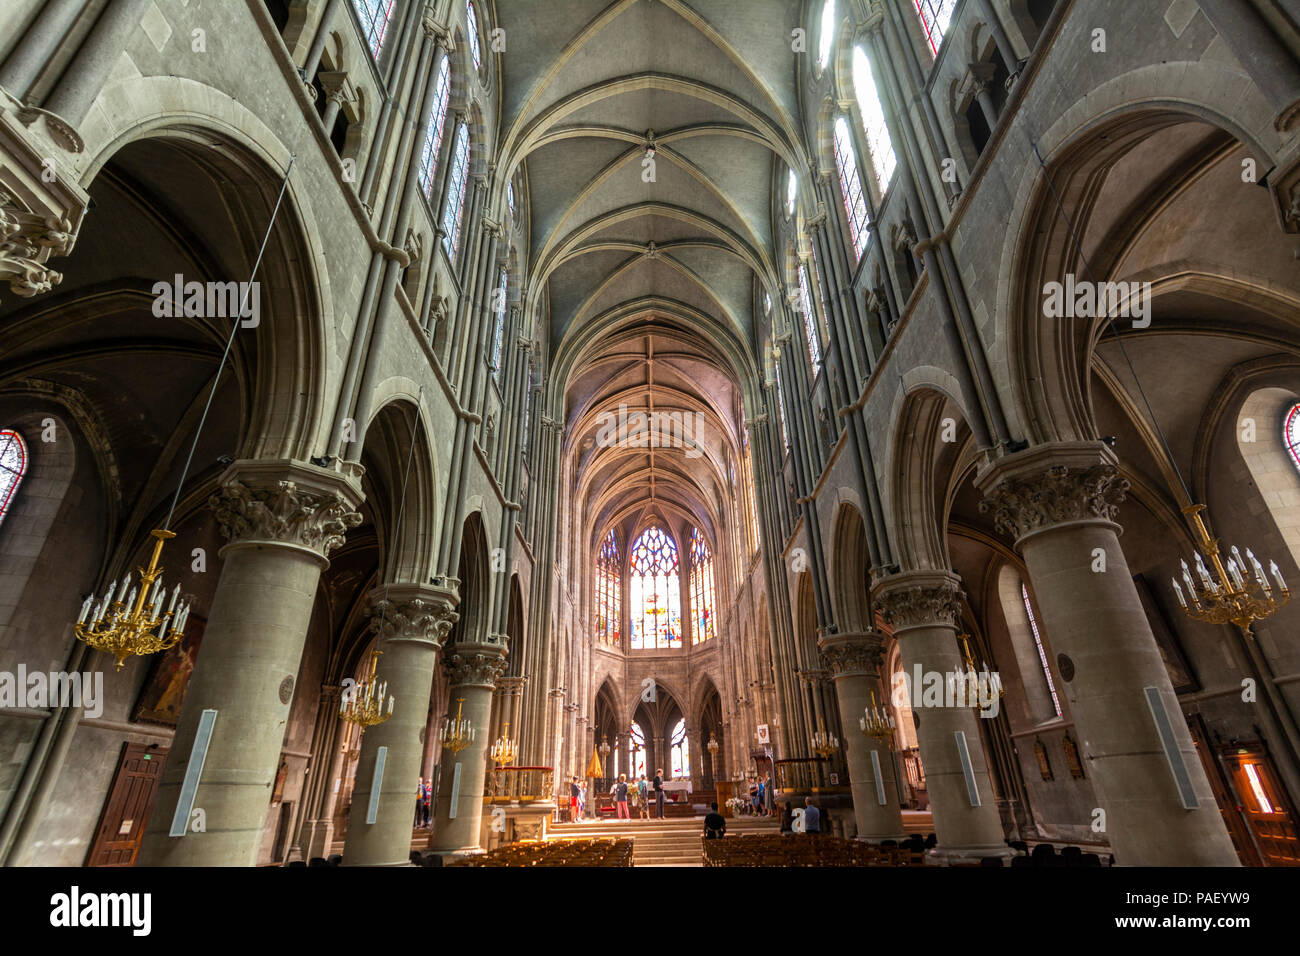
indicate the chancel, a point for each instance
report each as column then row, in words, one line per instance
column 500, row 432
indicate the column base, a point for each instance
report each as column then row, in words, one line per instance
column 877, row 840
column 958, row 855
column 449, row 856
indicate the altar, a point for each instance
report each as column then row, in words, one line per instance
column 677, row 790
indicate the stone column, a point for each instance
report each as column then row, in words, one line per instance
column 1059, row 501
column 474, row 668
column 282, row 519
column 1261, row 53
column 854, row 660
column 38, row 46
column 412, row 621
column 85, row 76
column 922, row 608
column 312, row 819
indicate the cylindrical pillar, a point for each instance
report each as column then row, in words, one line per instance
column 39, row 44
column 85, row 76
column 922, row 608
column 474, row 669
column 855, row 662
column 1261, row 53
column 1059, row 501
column 282, row 519
column 412, row 621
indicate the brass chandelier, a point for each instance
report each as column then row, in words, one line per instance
column 130, row 619
column 505, row 750
column 1231, row 593
column 459, row 733
column 365, row 705
column 877, row 722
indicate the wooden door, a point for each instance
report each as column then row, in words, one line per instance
column 1264, row 804
column 1223, row 795
column 126, row 811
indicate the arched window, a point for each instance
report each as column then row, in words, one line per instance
column 681, row 751
column 608, row 592
column 13, row 465
column 527, row 414
column 437, row 117
column 1038, row 642
column 780, row 405
column 747, row 478
column 499, row 332
column 655, row 592
column 636, row 750
column 471, row 28
column 791, row 193
column 510, row 200
column 701, row 589
column 879, row 145
column 855, row 204
column 809, row 322
column 827, row 34
column 935, row 16
column 374, row 16
column 1291, row 434
column 456, row 191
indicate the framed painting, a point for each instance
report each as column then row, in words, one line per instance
column 169, row 676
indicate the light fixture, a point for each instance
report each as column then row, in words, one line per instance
column 459, row 733
column 131, row 620
column 877, row 722
column 504, row 750
column 365, row 705
column 1229, row 595
column 824, row 744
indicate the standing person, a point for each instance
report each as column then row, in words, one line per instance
column 574, row 794
column 620, row 797
column 426, row 804
column 421, row 811
column 812, row 817
column 761, row 808
column 582, row 798
column 659, row 793
column 643, row 793
column 770, row 807
column 753, row 797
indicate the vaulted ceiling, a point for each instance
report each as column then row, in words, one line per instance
column 648, row 272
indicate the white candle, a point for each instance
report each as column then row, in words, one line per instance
column 130, row 601
column 1277, row 575
column 1179, row 591
column 126, row 581
column 85, row 610
column 390, row 705
column 108, row 598
column 176, row 592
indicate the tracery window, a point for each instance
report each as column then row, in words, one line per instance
column 809, row 322
column 608, row 592
column 826, row 35
column 374, row 16
column 636, row 751
column 791, row 193
column 437, row 117
column 456, row 191
column 855, row 203
column 702, row 591
column 880, row 147
column 681, row 751
column 935, row 16
column 499, row 332
column 655, row 592
column 1291, row 434
column 471, row 28
column 13, row 465
column 1042, row 653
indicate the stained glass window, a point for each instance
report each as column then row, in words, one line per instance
column 655, row 592
column 681, row 751
column 1291, row 434
column 374, row 16
column 437, row 117
column 827, row 34
column 636, row 751
column 855, row 203
column 13, row 465
column 791, row 193
column 880, row 147
column 809, row 322
column 1042, row 653
column 701, row 589
column 471, row 28
column 935, row 16
column 499, row 332
column 456, row 191
column 608, row 592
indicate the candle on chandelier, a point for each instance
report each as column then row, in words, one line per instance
column 1277, row 575
column 176, row 592
column 1259, row 570
column 1178, row 591
column 85, row 610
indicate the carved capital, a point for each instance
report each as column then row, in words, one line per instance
column 474, row 665
column 920, row 599
column 413, row 612
column 26, row 242
column 851, row 655
column 1041, row 488
column 286, row 504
